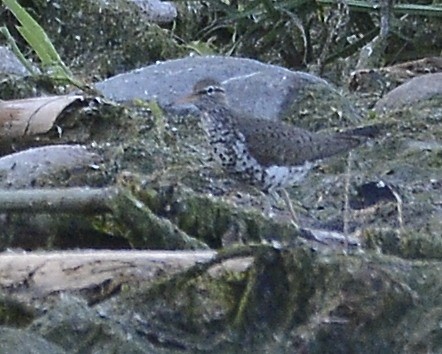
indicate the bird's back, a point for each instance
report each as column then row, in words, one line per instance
column 281, row 144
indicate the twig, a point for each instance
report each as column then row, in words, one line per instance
column 346, row 216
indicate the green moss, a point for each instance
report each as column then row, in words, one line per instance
column 14, row 313
column 321, row 107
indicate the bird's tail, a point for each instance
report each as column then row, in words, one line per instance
column 367, row 131
column 346, row 140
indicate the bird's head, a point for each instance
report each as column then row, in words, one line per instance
column 204, row 91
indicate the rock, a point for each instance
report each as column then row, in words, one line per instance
column 261, row 90
column 416, row 90
column 46, row 166
column 9, row 64
column 157, row 11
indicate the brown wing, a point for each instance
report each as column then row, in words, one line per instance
column 278, row 143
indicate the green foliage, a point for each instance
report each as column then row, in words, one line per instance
column 10, row 39
column 295, row 33
column 249, row 28
column 39, row 41
column 400, row 9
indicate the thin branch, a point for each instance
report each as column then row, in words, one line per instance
column 62, row 200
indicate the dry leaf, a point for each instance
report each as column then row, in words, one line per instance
column 32, row 116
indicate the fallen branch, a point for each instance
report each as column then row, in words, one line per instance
column 61, row 200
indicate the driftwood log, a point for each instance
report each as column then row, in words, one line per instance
column 36, row 275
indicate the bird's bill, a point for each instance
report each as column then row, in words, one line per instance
column 186, row 99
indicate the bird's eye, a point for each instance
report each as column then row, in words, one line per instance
column 210, row 90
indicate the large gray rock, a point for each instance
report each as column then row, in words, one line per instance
column 262, row 90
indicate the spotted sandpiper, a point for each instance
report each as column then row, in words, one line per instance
column 270, row 155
